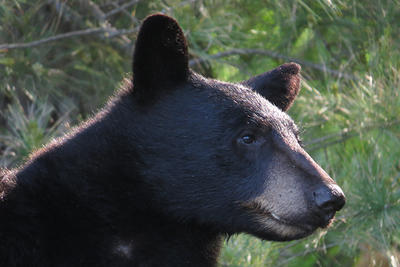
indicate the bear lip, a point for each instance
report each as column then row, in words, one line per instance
column 283, row 221
column 275, row 216
column 257, row 208
column 327, row 219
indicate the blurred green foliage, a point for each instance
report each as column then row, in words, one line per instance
column 348, row 109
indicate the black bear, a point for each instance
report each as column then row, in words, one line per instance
column 173, row 164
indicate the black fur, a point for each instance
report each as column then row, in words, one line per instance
column 280, row 86
column 160, row 59
column 166, row 170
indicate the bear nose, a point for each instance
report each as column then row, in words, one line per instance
column 329, row 198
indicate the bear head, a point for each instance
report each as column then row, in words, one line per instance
column 223, row 155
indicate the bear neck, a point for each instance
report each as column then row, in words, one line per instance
column 81, row 200
column 156, row 241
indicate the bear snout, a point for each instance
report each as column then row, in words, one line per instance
column 328, row 199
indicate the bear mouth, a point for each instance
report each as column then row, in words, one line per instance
column 258, row 209
column 306, row 228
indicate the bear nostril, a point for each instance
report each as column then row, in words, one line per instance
column 340, row 201
column 329, row 198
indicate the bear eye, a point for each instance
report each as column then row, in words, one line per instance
column 248, row 139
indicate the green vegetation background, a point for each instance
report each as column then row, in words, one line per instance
column 348, row 108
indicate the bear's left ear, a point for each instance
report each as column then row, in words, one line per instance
column 160, row 59
column 279, row 86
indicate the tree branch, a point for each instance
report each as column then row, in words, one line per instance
column 108, row 34
column 129, row 15
column 69, row 15
column 108, row 30
column 120, row 8
column 53, row 38
column 272, row 54
column 101, row 17
column 95, row 10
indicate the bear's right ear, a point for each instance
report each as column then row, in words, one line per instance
column 160, row 59
column 279, row 86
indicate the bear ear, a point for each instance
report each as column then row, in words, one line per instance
column 160, row 59
column 279, row 86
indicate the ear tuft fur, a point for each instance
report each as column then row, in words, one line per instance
column 280, row 86
column 160, row 58
column 290, row 68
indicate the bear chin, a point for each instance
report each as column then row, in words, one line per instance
column 270, row 226
column 274, row 230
